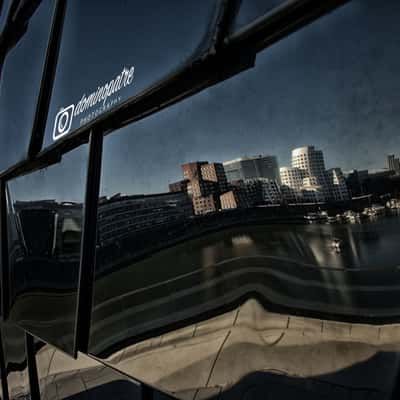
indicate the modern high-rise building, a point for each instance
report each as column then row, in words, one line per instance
column 292, row 177
column 235, row 198
column 214, row 172
column 338, row 186
column 311, row 160
column 308, row 180
column 205, row 182
column 261, row 166
column 393, row 163
column 355, row 182
column 292, row 182
column 312, row 191
column 179, row 186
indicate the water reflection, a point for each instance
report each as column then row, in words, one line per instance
column 248, row 190
column 243, row 199
column 136, row 226
column 166, row 265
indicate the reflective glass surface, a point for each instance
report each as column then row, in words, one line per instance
column 44, row 227
column 139, row 43
column 250, row 10
column 15, row 361
column 271, row 194
column 4, row 7
column 20, row 84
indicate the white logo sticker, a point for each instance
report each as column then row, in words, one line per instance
column 103, row 97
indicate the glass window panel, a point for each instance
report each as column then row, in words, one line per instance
column 4, row 7
column 250, row 10
column 20, row 84
column 243, row 197
column 45, row 226
column 15, row 361
column 139, row 43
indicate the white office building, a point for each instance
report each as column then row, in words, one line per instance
column 311, row 161
column 338, row 186
column 307, row 180
column 292, row 183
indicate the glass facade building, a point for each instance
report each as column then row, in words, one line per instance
column 198, row 199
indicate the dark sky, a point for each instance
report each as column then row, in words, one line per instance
column 334, row 84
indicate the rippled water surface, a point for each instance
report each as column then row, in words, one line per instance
column 372, row 244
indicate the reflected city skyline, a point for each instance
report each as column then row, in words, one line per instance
column 332, row 85
column 251, row 226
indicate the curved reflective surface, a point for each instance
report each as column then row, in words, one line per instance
column 44, row 230
column 250, row 353
column 272, row 192
column 247, row 236
column 4, row 7
column 20, row 83
column 61, row 377
column 93, row 79
column 250, row 10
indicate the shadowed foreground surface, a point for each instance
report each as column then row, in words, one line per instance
column 251, row 353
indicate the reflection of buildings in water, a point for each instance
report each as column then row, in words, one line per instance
column 242, row 240
column 224, row 248
column 244, row 245
column 353, row 250
column 315, row 243
column 322, row 252
column 320, row 240
column 164, row 300
column 208, row 256
column 355, row 243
